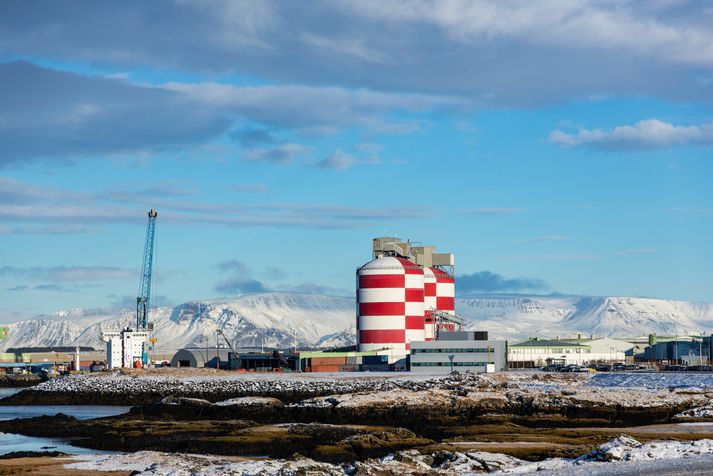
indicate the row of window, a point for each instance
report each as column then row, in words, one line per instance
column 449, row 351
column 541, row 350
column 448, row 364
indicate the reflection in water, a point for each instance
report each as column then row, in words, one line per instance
column 11, row 442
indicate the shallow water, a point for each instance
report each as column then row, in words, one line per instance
column 11, row 442
column 80, row 412
column 6, row 392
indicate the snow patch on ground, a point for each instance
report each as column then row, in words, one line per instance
column 620, row 453
column 653, row 380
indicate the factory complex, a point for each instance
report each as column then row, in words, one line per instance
column 405, row 321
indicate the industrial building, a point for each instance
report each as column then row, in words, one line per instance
column 680, row 352
column 538, row 353
column 351, row 361
column 250, row 359
column 460, row 352
column 405, row 294
column 126, row 348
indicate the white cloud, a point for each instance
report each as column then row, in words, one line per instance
column 647, row 134
column 283, row 154
column 503, row 52
column 340, row 160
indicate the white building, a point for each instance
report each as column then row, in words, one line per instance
column 125, row 348
column 538, row 353
column 464, row 354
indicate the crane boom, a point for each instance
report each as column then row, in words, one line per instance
column 230, row 346
column 143, row 300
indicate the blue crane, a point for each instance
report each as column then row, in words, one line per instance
column 143, row 300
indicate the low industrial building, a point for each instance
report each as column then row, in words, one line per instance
column 680, row 352
column 351, row 361
column 537, row 352
column 459, row 351
column 246, row 359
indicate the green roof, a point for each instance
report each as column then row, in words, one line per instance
column 548, row 343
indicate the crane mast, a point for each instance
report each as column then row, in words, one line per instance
column 143, row 300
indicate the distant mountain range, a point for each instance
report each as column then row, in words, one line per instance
column 277, row 319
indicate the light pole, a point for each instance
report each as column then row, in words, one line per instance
column 675, row 350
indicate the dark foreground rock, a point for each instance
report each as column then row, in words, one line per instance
column 19, row 380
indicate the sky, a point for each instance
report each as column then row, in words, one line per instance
column 553, row 146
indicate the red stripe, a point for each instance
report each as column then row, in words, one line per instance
column 445, row 303
column 382, row 336
column 410, row 267
column 382, row 308
column 414, row 295
column 407, row 346
column 429, row 289
column 442, row 276
column 414, row 322
column 382, row 281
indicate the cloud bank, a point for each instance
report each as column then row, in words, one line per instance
column 490, row 282
column 647, row 134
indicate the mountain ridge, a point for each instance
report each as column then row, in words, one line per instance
column 283, row 319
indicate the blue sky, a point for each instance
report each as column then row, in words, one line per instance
column 552, row 146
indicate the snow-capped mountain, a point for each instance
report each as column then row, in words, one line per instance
column 510, row 317
column 272, row 319
column 276, row 319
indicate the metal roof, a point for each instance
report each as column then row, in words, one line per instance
column 548, row 343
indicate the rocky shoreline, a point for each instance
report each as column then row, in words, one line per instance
column 20, row 380
column 342, row 419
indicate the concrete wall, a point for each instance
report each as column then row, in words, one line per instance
column 473, row 355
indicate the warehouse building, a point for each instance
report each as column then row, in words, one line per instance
column 680, row 352
column 537, row 352
column 249, row 359
column 465, row 351
column 351, row 361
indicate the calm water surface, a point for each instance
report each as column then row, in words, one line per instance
column 11, row 442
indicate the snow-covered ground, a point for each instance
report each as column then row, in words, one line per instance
column 652, row 380
column 622, row 455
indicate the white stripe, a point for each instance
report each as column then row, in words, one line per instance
column 414, row 309
column 445, row 290
column 381, row 323
column 400, row 348
column 372, row 272
column 414, row 281
column 382, row 295
column 429, row 303
column 415, row 335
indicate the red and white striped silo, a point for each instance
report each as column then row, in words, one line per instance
column 390, row 304
column 445, row 295
column 429, row 302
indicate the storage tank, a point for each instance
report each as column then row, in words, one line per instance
column 429, row 301
column 445, row 295
column 390, row 309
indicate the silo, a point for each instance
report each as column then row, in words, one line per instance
column 429, row 301
column 390, row 309
column 445, row 295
